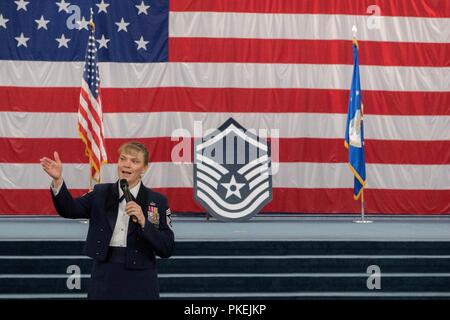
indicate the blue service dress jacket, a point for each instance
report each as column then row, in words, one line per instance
column 100, row 206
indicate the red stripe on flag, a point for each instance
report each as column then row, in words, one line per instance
column 21, row 150
column 39, row 99
column 186, row 99
column 412, row 8
column 376, row 151
column 339, row 201
column 272, row 100
column 32, row 201
column 307, row 51
column 305, row 201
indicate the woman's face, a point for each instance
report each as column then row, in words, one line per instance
column 131, row 166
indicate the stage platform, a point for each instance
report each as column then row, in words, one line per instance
column 260, row 228
column 268, row 257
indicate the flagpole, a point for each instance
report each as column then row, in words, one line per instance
column 363, row 220
column 362, row 205
column 91, row 187
column 90, row 174
column 362, row 208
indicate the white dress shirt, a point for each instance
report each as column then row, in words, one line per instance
column 119, row 236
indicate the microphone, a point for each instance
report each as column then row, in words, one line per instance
column 127, row 194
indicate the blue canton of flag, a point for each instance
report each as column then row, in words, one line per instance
column 354, row 130
column 57, row 30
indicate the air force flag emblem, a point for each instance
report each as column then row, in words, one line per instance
column 232, row 179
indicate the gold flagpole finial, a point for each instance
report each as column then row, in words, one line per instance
column 355, row 39
column 91, row 20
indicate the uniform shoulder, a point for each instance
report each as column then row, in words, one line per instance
column 100, row 187
column 157, row 196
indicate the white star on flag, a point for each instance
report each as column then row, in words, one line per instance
column 3, row 21
column 63, row 6
column 122, row 25
column 103, row 42
column 83, row 24
column 233, row 188
column 142, row 44
column 62, row 41
column 22, row 4
column 102, row 6
column 42, row 23
column 142, row 8
column 22, row 40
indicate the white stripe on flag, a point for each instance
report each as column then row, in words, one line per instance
column 219, row 75
column 307, row 26
column 164, row 124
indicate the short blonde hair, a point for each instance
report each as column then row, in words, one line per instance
column 134, row 147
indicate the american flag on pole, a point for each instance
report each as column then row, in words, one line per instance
column 90, row 115
column 268, row 64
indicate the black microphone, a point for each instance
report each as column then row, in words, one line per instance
column 127, row 194
column 126, row 191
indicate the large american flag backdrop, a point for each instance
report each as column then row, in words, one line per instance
column 269, row 64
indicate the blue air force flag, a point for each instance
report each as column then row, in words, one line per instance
column 354, row 131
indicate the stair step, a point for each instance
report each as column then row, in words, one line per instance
column 248, row 248
column 311, row 284
column 301, row 264
column 58, row 265
column 43, row 266
column 250, row 283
